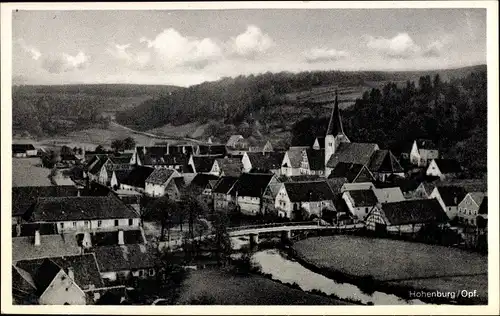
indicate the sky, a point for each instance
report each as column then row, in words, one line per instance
column 187, row 47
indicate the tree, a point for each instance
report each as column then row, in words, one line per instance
column 117, row 145
column 162, row 210
column 193, row 206
column 128, row 143
column 100, row 150
column 222, row 242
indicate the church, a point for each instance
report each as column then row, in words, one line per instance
column 342, row 155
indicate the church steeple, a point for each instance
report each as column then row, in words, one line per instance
column 335, row 124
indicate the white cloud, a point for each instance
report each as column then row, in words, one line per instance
column 400, row 46
column 434, row 49
column 31, row 50
column 324, row 55
column 136, row 60
column 170, row 49
column 251, row 42
column 65, row 62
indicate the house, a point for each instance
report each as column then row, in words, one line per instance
column 237, row 145
column 357, row 186
column 223, row 195
column 118, row 177
column 263, row 162
column 202, row 164
column 360, row 202
column 388, row 195
column 204, row 183
column 406, row 185
column 95, row 167
column 249, row 190
column 83, row 214
column 336, row 184
column 443, row 168
column 301, row 200
column 135, row 179
column 23, row 150
column 120, row 263
column 449, row 197
column 260, row 146
column 161, row 182
column 269, row 199
column 123, row 158
column 59, row 280
column 292, row 161
column 351, row 153
column 424, row 190
column 405, row 216
column 422, row 152
column 231, row 167
column 313, row 162
column 471, row 207
column 352, row 172
column 186, row 149
column 106, row 172
column 383, row 164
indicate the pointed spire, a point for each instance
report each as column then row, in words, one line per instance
column 335, row 124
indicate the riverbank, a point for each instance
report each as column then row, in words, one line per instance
column 362, row 262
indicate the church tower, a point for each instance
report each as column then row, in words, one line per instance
column 334, row 134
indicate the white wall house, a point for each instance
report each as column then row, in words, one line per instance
column 158, row 182
column 421, row 156
column 62, row 290
column 360, row 202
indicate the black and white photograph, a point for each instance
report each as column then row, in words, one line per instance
column 320, row 155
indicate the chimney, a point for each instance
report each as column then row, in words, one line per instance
column 37, row 237
column 71, row 273
column 144, row 149
column 120, row 238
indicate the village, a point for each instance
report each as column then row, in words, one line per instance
column 82, row 238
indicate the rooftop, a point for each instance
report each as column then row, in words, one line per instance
column 308, row 191
column 414, row 212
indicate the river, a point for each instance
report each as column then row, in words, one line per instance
column 289, row 271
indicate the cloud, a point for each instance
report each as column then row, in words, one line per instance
column 170, row 49
column 32, row 51
column 65, row 62
column 324, row 54
column 400, row 46
column 135, row 60
column 251, row 42
column 434, row 49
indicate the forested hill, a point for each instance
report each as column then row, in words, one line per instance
column 453, row 114
column 236, row 99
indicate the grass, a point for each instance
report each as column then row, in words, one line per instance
column 396, row 264
column 226, row 288
column 29, row 172
column 193, row 130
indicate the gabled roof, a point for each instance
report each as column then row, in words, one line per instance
column 351, row 172
column 202, row 180
column 384, row 161
column 22, row 148
column 363, row 198
column 79, row 208
column 212, row 150
column 267, row 161
column 336, row 184
column 121, row 175
column 335, row 124
column 451, row 195
column 160, row 176
column 477, row 197
column 321, row 142
column 389, row 195
column 356, row 153
column 470, row 185
column 125, row 257
column 203, row 163
column 24, row 197
column 123, row 158
column 448, row 165
column 414, row 212
column 152, row 150
column 22, row 280
column 308, row 191
column 225, row 184
column 230, row 166
column 85, row 270
column 316, row 159
column 112, row 167
column 295, row 156
column 45, row 275
column 96, row 167
column 274, row 189
column 23, row 248
column 252, row 184
column 137, row 176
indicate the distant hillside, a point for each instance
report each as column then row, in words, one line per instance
column 246, row 98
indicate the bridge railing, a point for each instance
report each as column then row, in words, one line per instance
column 269, row 225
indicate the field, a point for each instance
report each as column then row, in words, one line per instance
column 29, row 172
column 225, row 288
column 193, row 130
column 397, row 263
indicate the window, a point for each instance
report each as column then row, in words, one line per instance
column 99, row 223
column 366, row 210
column 62, row 225
column 74, row 224
column 86, row 223
column 141, row 273
column 151, row 272
column 116, row 222
column 130, row 221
